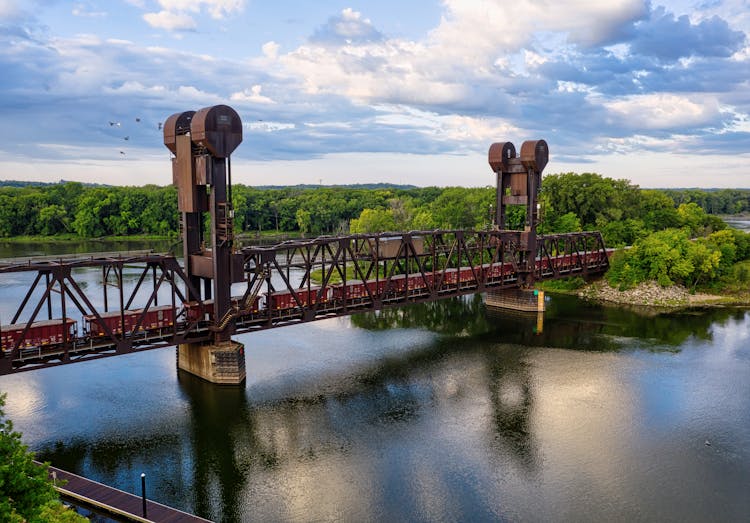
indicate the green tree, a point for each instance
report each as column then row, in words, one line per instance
column 723, row 242
column 423, row 220
column 304, row 220
column 373, row 220
column 462, row 208
column 595, row 200
column 692, row 216
column 622, row 233
column 26, row 492
column 53, row 219
column 567, row 222
column 658, row 211
column 704, row 263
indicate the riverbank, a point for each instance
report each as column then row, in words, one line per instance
column 651, row 294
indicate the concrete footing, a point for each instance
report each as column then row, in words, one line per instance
column 222, row 363
column 516, row 299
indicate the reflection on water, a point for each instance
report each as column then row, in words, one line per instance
column 440, row 411
column 42, row 248
column 740, row 223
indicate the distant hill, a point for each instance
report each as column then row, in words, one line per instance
column 345, row 186
column 19, row 183
column 368, row 186
column 16, row 183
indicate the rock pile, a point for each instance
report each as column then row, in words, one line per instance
column 648, row 293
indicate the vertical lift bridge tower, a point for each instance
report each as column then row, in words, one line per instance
column 201, row 169
column 518, row 182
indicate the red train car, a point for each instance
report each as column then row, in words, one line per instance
column 40, row 334
column 198, row 310
column 280, row 300
column 397, row 285
column 467, row 275
column 156, row 318
column 357, row 290
column 419, row 282
column 450, row 276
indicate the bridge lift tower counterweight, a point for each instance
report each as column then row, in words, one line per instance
column 201, row 143
column 518, row 182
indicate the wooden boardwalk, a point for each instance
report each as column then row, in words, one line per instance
column 116, row 502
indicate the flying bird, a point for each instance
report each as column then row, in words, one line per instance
column 122, row 153
column 160, row 126
column 137, row 119
column 114, row 124
column 126, row 138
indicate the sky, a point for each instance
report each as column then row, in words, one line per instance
column 408, row 92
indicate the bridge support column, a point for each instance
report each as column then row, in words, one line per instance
column 220, row 362
column 516, row 299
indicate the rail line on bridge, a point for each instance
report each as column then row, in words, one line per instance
column 289, row 283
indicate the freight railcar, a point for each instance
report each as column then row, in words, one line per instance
column 40, row 334
column 156, row 318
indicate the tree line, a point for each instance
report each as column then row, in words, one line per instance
column 676, row 235
column 87, row 211
column 569, row 202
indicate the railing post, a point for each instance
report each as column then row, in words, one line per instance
column 143, row 494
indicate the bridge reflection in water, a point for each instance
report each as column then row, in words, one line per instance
column 293, row 282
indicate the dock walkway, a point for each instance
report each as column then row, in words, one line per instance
column 117, row 502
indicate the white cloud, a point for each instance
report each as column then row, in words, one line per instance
column 268, row 127
column 252, row 95
column 170, row 20
column 270, row 50
column 664, row 111
column 478, row 45
column 136, row 88
column 199, row 97
column 175, row 16
column 349, row 27
column 485, row 28
column 452, row 128
column 390, row 72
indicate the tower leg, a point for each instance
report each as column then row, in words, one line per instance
column 220, row 362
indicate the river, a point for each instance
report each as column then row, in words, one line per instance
column 435, row 412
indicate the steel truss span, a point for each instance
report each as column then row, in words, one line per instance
column 64, row 319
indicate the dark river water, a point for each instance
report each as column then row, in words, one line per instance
column 437, row 412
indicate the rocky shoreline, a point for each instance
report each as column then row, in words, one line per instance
column 652, row 294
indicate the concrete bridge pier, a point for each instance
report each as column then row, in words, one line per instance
column 526, row 300
column 221, row 362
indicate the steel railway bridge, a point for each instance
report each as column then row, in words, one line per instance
column 83, row 308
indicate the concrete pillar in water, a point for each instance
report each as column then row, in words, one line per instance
column 220, row 362
column 516, row 299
